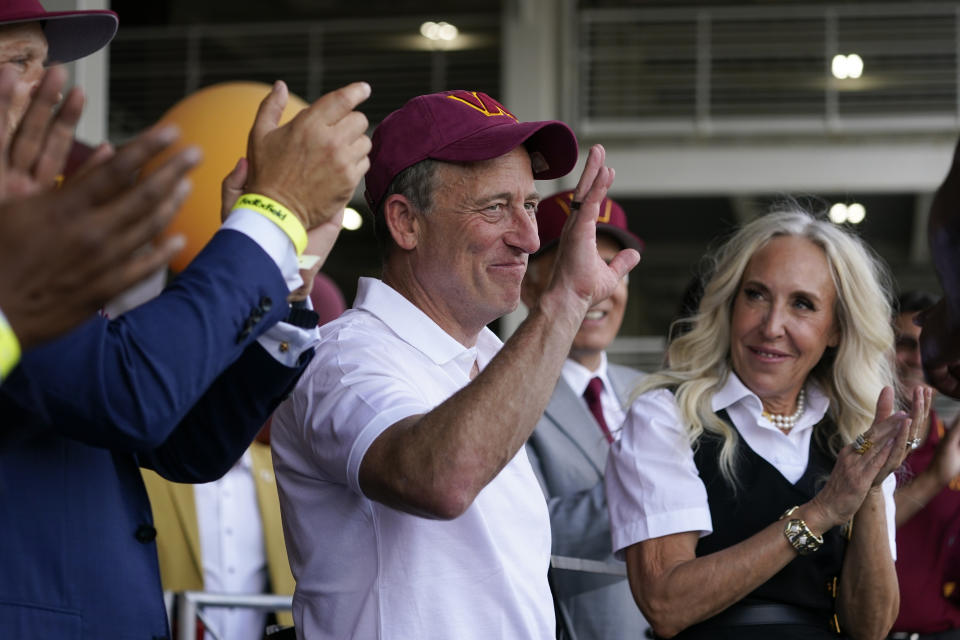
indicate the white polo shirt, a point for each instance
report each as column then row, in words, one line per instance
column 364, row 570
column 653, row 487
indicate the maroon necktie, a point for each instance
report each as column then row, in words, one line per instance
column 592, row 396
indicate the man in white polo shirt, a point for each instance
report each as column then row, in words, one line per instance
column 410, row 508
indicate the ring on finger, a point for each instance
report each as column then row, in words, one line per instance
column 575, row 205
column 862, row 444
column 913, row 443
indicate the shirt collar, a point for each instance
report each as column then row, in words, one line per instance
column 578, row 376
column 734, row 392
column 417, row 329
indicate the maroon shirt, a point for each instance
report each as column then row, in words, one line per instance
column 928, row 551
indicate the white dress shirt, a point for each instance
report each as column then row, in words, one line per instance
column 363, row 569
column 232, row 549
column 653, row 486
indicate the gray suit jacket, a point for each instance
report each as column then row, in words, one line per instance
column 569, row 453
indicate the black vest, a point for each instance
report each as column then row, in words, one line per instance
column 761, row 497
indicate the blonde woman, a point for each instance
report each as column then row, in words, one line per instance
column 751, row 490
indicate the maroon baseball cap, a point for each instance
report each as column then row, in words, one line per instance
column 70, row 34
column 462, row 126
column 553, row 211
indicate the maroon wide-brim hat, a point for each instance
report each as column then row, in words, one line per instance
column 462, row 126
column 70, row 34
column 553, row 211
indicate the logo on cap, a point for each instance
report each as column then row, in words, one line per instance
column 481, row 106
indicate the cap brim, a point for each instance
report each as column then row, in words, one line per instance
column 553, row 140
column 74, row 34
column 624, row 237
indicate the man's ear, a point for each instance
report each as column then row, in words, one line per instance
column 402, row 220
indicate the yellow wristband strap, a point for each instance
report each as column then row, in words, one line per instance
column 278, row 214
column 9, row 348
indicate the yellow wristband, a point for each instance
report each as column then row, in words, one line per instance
column 9, row 348
column 279, row 214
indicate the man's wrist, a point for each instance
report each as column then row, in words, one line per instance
column 560, row 304
column 277, row 213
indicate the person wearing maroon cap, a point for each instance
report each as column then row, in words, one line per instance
column 928, row 501
column 180, row 384
column 568, row 449
column 409, row 504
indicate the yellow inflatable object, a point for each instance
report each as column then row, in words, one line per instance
column 217, row 119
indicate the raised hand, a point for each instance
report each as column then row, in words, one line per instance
column 35, row 153
column 858, row 471
column 946, row 460
column 65, row 252
column 313, row 163
column 579, row 266
column 232, row 188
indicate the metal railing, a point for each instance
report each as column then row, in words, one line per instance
column 190, row 605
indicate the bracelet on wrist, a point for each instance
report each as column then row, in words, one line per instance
column 278, row 214
column 798, row 534
column 9, row 348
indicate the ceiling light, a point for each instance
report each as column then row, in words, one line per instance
column 352, row 220
column 854, row 213
column 846, row 66
column 439, row 31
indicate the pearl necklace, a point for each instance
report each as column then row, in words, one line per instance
column 786, row 423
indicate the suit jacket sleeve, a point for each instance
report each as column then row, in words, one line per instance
column 127, row 384
column 220, row 427
column 579, row 522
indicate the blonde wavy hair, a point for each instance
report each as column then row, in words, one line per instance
column 852, row 374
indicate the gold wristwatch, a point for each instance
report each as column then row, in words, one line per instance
column 798, row 534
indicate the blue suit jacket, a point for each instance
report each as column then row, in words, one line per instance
column 178, row 385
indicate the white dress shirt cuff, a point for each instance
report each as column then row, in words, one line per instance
column 271, row 239
column 286, row 343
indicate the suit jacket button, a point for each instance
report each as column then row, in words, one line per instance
column 256, row 316
column 145, row 533
column 266, row 304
